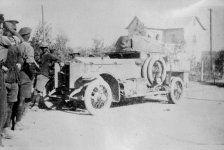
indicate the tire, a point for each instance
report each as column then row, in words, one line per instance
column 144, row 69
column 176, row 91
column 98, row 97
column 156, row 68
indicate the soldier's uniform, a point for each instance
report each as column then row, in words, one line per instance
column 12, row 79
column 13, row 39
column 4, row 44
column 26, row 74
column 13, row 61
column 42, row 79
column 3, row 103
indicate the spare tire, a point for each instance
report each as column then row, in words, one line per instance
column 145, row 67
column 156, row 69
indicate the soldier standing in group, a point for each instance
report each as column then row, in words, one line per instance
column 15, row 39
column 4, row 44
column 46, row 60
column 13, row 63
column 26, row 75
column 5, row 54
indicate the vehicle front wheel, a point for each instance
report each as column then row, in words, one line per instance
column 98, row 97
column 176, row 91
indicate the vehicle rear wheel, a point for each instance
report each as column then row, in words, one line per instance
column 98, row 97
column 176, row 91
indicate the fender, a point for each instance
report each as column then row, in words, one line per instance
column 81, row 83
column 84, row 81
column 114, row 85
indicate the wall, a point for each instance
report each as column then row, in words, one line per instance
column 196, row 40
column 155, row 35
column 174, row 35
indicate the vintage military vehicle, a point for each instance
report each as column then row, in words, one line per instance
column 125, row 73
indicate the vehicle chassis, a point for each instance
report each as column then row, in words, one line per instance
column 90, row 80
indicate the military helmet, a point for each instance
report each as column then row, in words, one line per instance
column 25, row 31
column 13, row 23
column 44, row 45
column 7, row 25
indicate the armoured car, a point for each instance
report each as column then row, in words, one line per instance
column 126, row 73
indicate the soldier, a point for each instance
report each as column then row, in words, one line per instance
column 46, row 60
column 4, row 44
column 26, row 75
column 15, row 39
column 13, row 63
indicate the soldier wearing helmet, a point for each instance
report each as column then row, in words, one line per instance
column 46, row 60
column 15, row 39
column 26, row 75
column 13, row 64
column 10, row 63
column 4, row 44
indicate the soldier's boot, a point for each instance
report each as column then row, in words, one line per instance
column 19, row 126
column 41, row 102
column 33, row 101
column 1, row 145
column 7, row 133
column 36, row 105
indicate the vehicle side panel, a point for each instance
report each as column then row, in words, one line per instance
column 121, row 69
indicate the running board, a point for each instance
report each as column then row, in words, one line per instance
column 155, row 93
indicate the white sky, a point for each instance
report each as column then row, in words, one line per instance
column 82, row 20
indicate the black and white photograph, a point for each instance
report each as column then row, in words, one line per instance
column 111, row 74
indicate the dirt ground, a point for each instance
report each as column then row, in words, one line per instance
column 197, row 123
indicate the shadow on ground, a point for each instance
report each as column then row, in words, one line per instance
column 135, row 101
column 211, row 83
column 81, row 110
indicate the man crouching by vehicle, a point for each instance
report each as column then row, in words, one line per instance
column 46, row 60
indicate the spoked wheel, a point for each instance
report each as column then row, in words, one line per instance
column 156, row 69
column 176, row 91
column 98, row 97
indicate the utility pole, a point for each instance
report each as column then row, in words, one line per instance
column 202, row 70
column 42, row 10
column 212, row 70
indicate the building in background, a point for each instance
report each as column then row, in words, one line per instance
column 201, row 9
column 185, row 32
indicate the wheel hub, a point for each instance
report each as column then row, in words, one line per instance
column 99, row 97
column 157, row 70
column 178, row 91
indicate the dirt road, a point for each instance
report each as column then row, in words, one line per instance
column 196, row 123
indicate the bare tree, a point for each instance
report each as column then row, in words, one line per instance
column 37, row 38
column 219, row 63
column 98, row 45
column 59, row 44
column 61, row 48
column 38, row 35
column 83, row 51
